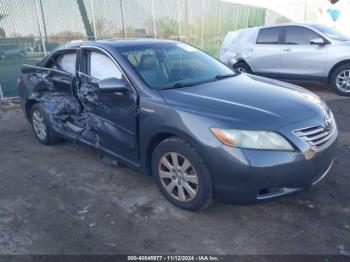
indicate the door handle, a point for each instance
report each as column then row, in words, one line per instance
column 287, row 49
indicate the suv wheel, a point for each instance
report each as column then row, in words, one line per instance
column 42, row 126
column 340, row 80
column 182, row 175
column 242, row 67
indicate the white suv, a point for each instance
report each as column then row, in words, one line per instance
column 299, row 52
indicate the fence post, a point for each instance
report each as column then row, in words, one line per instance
column 248, row 16
column 44, row 24
column 1, row 93
column 123, row 18
column 202, row 26
column 236, row 16
column 179, row 17
column 305, row 15
column 93, row 18
column 40, row 29
column 154, row 20
column 219, row 28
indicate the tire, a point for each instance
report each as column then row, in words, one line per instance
column 41, row 121
column 242, row 67
column 194, row 181
column 335, row 82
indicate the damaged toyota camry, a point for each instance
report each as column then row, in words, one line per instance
column 173, row 112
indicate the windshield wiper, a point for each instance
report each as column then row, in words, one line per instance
column 218, row 77
column 180, row 85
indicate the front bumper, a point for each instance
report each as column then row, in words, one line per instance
column 243, row 176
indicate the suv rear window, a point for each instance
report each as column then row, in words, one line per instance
column 268, row 36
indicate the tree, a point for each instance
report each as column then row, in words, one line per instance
column 167, row 26
column 65, row 36
column 2, row 31
column 101, row 25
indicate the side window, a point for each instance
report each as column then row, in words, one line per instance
column 268, row 36
column 65, row 62
column 296, row 35
column 102, row 67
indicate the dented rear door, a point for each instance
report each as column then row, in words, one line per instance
column 31, row 81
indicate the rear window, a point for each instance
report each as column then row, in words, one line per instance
column 268, row 36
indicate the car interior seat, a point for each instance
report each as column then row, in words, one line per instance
column 152, row 71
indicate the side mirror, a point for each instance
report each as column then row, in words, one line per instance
column 112, row 84
column 317, row 41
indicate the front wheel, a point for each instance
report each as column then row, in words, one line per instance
column 340, row 80
column 181, row 174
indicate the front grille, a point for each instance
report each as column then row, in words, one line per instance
column 317, row 137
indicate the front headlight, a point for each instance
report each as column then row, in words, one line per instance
column 252, row 139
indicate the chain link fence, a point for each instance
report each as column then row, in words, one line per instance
column 31, row 28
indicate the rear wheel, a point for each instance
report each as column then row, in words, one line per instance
column 340, row 80
column 242, row 67
column 182, row 175
column 42, row 126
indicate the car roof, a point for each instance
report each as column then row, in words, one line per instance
column 113, row 43
column 288, row 24
column 126, row 42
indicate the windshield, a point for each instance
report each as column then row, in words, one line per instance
column 331, row 33
column 163, row 66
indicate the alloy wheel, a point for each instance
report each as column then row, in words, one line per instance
column 178, row 176
column 343, row 80
column 241, row 70
column 39, row 125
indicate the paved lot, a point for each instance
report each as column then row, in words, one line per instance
column 64, row 200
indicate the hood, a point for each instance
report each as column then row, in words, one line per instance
column 341, row 43
column 250, row 102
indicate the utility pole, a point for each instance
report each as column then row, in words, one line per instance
column 85, row 19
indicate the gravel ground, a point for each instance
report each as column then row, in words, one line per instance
column 64, row 200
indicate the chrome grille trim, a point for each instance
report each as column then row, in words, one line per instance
column 306, row 133
column 317, row 136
